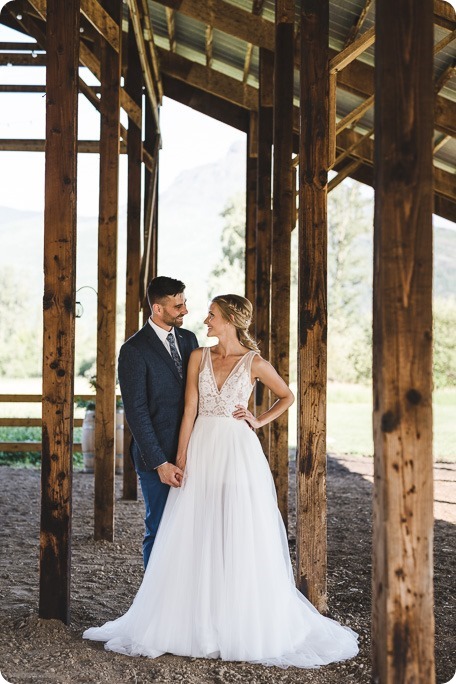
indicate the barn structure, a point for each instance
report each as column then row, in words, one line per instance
column 298, row 78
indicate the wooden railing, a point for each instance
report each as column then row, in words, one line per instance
column 29, row 446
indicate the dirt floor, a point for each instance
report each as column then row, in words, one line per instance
column 105, row 578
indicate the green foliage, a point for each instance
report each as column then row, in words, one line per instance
column 228, row 275
column 445, row 342
column 30, row 458
column 20, row 329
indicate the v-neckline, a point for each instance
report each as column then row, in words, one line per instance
column 219, row 391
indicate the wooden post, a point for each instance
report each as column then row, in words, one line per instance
column 282, row 222
column 105, row 413
column 312, row 314
column 251, row 205
column 62, row 49
column 264, row 231
column 133, row 87
column 149, row 261
column 403, row 620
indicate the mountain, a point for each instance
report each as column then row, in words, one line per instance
column 190, row 225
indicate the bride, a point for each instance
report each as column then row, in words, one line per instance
column 219, row 583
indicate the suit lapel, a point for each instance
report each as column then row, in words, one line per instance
column 159, row 347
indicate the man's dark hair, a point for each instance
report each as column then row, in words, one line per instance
column 162, row 287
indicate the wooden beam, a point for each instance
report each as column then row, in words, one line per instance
column 311, row 545
column 62, row 40
column 23, row 145
column 206, row 103
column 208, row 80
column 283, row 209
column 21, row 47
column 362, row 147
column 445, row 41
column 209, row 46
column 355, row 115
column 402, row 601
column 345, row 173
column 146, row 71
column 33, row 447
column 26, row 89
column 351, row 52
column 105, row 414
column 171, row 24
column 149, row 259
column 31, row 422
column 89, row 60
column 357, row 26
column 445, row 76
column 22, row 59
column 247, row 62
column 352, row 148
column 132, row 300
column 251, row 205
column 228, row 18
column 150, row 40
column 101, row 21
column 332, row 112
column 264, row 231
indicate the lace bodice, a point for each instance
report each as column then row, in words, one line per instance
column 236, row 389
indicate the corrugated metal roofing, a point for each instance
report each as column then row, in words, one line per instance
column 229, row 54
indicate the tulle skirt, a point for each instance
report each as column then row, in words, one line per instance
column 219, row 582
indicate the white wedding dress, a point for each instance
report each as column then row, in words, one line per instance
column 219, row 582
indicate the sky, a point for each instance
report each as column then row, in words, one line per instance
column 189, row 138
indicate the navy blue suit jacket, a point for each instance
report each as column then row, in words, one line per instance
column 153, row 394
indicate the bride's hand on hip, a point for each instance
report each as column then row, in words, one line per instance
column 242, row 413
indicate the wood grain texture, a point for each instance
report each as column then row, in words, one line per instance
column 262, row 315
column 251, row 204
column 403, row 620
column 105, row 414
column 283, row 202
column 62, row 40
column 133, row 85
column 312, row 303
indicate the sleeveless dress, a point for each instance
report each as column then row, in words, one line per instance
column 219, row 582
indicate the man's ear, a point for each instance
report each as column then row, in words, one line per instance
column 156, row 308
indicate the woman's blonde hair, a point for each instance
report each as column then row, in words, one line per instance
column 238, row 311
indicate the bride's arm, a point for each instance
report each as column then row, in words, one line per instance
column 268, row 375
column 191, row 407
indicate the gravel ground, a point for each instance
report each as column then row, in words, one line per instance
column 106, row 576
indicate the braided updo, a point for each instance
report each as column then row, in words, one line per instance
column 238, row 311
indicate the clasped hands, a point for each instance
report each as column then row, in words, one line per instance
column 171, row 474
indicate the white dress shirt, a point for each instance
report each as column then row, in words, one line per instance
column 162, row 335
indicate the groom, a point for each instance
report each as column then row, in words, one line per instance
column 152, row 372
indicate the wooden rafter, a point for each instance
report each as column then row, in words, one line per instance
column 102, row 21
column 444, row 182
column 209, row 80
column 355, row 115
column 20, row 47
column 441, row 142
column 89, row 60
column 342, row 175
column 350, row 53
column 445, row 76
column 445, row 41
column 209, row 40
column 145, row 67
column 346, row 153
column 247, row 62
column 38, row 145
column 22, row 59
column 357, row 26
column 149, row 38
column 171, row 24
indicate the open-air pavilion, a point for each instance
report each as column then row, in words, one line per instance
column 299, row 80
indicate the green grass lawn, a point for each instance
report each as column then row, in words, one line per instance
column 349, row 428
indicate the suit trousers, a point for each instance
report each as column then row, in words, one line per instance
column 154, row 494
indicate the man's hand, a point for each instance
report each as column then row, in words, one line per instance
column 170, row 474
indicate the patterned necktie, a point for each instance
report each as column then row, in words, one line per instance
column 174, row 353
